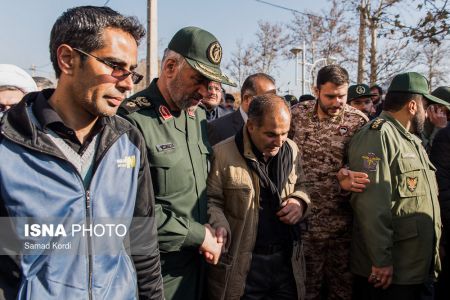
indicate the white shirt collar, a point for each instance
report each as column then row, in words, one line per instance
column 243, row 114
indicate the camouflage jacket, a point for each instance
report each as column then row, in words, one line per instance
column 322, row 145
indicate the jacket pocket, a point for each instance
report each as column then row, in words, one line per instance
column 162, row 169
column 404, row 228
column 237, row 201
column 206, row 154
column 411, row 186
column 218, row 277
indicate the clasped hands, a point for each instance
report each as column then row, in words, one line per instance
column 214, row 243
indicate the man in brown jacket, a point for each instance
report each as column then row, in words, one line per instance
column 255, row 201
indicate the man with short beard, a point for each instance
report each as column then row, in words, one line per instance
column 397, row 219
column 175, row 134
column 322, row 129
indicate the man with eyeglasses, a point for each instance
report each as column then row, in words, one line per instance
column 211, row 103
column 175, row 134
column 67, row 161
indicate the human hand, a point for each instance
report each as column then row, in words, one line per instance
column 291, row 212
column 210, row 248
column 352, row 181
column 437, row 116
column 222, row 237
column 381, row 277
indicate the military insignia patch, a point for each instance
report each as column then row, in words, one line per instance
column 370, row 162
column 191, row 112
column 165, row 113
column 360, row 90
column 343, row 130
column 214, row 53
column 165, row 147
column 131, row 104
column 377, row 124
column 411, row 183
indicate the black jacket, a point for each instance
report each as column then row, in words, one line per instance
column 223, row 128
column 440, row 157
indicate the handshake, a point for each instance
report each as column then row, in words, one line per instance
column 214, row 243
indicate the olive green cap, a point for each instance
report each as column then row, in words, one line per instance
column 202, row 51
column 358, row 91
column 442, row 92
column 415, row 83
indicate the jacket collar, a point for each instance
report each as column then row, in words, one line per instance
column 248, row 152
column 388, row 117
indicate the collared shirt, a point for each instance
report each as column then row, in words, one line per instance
column 49, row 119
column 243, row 114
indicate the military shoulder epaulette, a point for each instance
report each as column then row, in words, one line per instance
column 377, row 124
column 135, row 104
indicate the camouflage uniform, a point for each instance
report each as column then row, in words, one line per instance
column 327, row 239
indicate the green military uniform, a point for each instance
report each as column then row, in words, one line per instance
column 178, row 154
column 397, row 219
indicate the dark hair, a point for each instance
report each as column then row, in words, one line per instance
column 229, row 98
column 43, row 83
column 394, row 101
column 376, row 86
column 262, row 104
column 306, row 97
column 332, row 73
column 82, row 27
column 250, row 83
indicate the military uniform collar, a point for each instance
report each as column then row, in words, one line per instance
column 163, row 110
column 388, row 117
column 335, row 119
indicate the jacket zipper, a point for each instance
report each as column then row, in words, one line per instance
column 87, row 193
column 88, row 221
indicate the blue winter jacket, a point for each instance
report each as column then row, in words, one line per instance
column 37, row 181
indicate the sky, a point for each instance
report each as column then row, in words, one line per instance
column 26, row 24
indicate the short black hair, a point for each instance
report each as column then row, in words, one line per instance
column 260, row 105
column 82, row 27
column 394, row 101
column 306, row 97
column 332, row 73
column 376, row 86
column 229, row 98
column 249, row 83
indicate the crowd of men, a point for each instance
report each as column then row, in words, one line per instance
column 340, row 195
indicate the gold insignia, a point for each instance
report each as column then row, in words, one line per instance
column 411, row 182
column 131, row 104
column 377, row 124
column 211, row 73
column 370, row 162
column 214, row 53
column 360, row 90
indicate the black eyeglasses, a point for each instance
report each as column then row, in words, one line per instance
column 118, row 71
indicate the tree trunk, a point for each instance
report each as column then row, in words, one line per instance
column 362, row 41
column 373, row 51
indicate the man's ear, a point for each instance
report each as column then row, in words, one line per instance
column 413, row 107
column 66, row 59
column 170, row 67
column 316, row 92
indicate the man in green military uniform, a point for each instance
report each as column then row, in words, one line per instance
column 176, row 138
column 397, row 222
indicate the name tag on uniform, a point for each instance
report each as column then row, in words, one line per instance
column 165, row 147
column 409, row 155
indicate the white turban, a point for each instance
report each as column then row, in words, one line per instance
column 14, row 76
